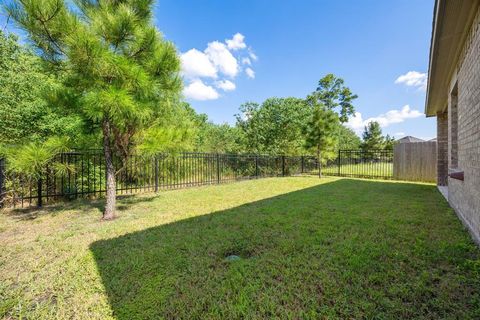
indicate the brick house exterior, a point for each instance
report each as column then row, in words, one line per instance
column 453, row 96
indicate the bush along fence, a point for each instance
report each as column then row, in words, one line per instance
column 84, row 176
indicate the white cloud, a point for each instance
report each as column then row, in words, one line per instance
column 250, row 73
column 357, row 123
column 252, row 55
column 219, row 61
column 225, row 85
column 399, row 134
column 197, row 64
column 222, row 58
column 247, row 61
column 413, row 79
column 197, row 90
column 237, row 42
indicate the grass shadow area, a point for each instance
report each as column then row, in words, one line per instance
column 124, row 202
column 344, row 249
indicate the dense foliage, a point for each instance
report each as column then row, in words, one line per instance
column 373, row 138
column 25, row 113
column 347, row 139
column 275, row 126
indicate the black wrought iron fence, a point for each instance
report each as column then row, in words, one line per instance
column 376, row 164
column 82, row 174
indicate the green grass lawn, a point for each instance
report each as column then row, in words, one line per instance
column 374, row 169
column 335, row 248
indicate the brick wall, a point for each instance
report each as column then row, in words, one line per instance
column 453, row 128
column 442, row 148
column 464, row 196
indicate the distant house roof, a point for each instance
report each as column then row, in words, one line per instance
column 409, row 139
column 434, row 139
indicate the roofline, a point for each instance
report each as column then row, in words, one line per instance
column 452, row 20
column 432, row 48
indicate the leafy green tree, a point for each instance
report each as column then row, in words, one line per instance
column 25, row 114
column 275, row 126
column 212, row 137
column 334, row 95
column 119, row 74
column 220, row 138
column 320, row 130
column 347, row 139
column 389, row 142
column 251, row 127
column 372, row 137
column 330, row 104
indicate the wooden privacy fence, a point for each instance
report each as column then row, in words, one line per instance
column 415, row 161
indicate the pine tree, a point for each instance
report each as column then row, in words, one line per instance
column 25, row 114
column 372, row 137
column 118, row 72
column 320, row 130
column 389, row 143
column 333, row 93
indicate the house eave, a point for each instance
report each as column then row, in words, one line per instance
column 451, row 23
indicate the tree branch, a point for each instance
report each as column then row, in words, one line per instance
column 6, row 23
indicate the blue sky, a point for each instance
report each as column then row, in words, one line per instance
column 370, row 44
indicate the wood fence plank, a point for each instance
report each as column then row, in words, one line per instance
column 415, row 161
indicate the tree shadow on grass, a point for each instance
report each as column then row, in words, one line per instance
column 345, row 249
column 124, row 202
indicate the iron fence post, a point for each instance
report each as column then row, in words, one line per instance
column 218, row 168
column 156, row 173
column 339, row 162
column 301, row 164
column 256, row 166
column 2, row 170
column 39, row 192
column 283, row 166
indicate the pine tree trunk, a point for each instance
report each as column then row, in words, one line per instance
column 319, row 157
column 109, row 212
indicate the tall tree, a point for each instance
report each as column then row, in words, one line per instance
column 372, row 137
column 330, row 105
column 320, row 130
column 389, row 142
column 118, row 70
column 334, row 95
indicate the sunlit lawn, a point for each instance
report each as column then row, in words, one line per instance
column 335, row 248
column 373, row 169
